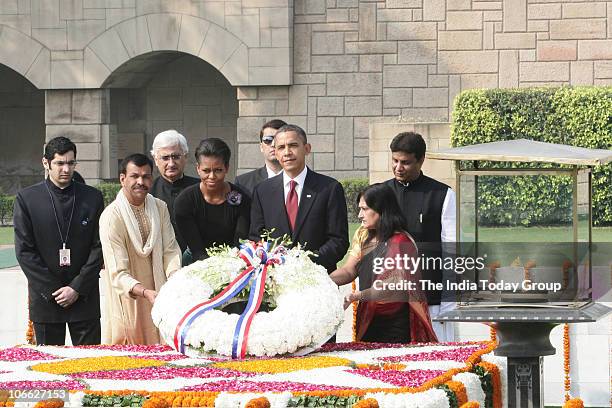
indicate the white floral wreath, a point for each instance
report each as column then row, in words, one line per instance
column 307, row 307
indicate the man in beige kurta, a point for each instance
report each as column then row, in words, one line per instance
column 140, row 253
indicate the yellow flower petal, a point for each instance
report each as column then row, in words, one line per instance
column 81, row 365
column 277, row 365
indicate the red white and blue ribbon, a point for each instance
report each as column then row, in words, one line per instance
column 258, row 258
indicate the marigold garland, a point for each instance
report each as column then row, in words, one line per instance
column 470, row 404
column 30, row 338
column 574, row 403
column 493, row 334
column 496, row 380
column 459, row 389
column 367, row 403
column 155, row 402
column 566, row 361
column 207, row 398
column 354, row 306
column 261, row 402
column 171, row 398
column 528, row 266
column 50, row 403
column 441, row 379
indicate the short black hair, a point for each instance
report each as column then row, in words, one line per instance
column 409, row 142
column 59, row 145
column 294, row 128
column 138, row 159
column 274, row 124
column 215, row 147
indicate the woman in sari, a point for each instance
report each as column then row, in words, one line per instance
column 392, row 307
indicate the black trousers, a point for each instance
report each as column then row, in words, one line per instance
column 85, row 332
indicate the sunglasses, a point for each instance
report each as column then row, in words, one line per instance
column 268, row 140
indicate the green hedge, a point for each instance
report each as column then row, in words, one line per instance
column 6, row 209
column 580, row 116
column 352, row 188
column 109, row 191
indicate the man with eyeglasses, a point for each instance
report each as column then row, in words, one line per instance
column 272, row 167
column 170, row 154
column 58, row 248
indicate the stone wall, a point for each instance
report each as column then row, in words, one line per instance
column 78, row 43
column 188, row 95
column 357, row 63
column 333, row 66
column 436, row 137
column 22, row 131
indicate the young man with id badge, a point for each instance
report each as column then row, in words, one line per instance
column 58, row 248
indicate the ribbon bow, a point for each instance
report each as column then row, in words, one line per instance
column 258, row 257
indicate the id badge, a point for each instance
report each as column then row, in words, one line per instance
column 64, row 256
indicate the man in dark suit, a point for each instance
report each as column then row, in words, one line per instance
column 307, row 206
column 272, row 167
column 58, row 248
column 429, row 208
column 170, row 154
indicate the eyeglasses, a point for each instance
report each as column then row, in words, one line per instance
column 71, row 163
column 268, row 140
column 174, row 157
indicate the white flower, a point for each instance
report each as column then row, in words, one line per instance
column 472, row 386
column 308, row 306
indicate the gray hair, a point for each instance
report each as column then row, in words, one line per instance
column 169, row 138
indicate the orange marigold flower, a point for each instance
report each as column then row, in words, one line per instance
column 574, row 403
column 496, row 380
column 155, row 402
column 261, row 402
column 459, row 389
column 470, row 404
column 367, row 403
column 50, row 403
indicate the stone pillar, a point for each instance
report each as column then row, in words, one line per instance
column 83, row 115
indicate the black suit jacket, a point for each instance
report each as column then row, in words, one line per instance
column 321, row 225
column 37, row 245
column 248, row 181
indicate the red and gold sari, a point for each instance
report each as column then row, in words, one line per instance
column 390, row 314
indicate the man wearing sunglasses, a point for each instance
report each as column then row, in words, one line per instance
column 170, row 153
column 271, row 168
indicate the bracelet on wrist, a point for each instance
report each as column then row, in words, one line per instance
column 143, row 291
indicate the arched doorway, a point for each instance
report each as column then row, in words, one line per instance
column 171, row 90
column 22, row 131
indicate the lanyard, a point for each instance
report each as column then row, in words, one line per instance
column 64, row 241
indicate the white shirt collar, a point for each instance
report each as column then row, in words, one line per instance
column 271, row 172
column 299, row 179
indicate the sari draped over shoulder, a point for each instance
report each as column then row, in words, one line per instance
column 393, row 306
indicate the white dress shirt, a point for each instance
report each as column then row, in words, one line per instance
column 449, row 218
column 271, row 172
column 300, row 183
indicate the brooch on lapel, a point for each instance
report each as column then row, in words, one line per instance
column 234, row 198
column 85, row 222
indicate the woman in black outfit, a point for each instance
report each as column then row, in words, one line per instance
column 214, row 211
